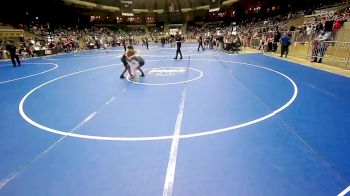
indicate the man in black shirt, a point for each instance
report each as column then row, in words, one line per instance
column 146, row 42
column 200, row 43
column 276, row 39
column 162, row 40
column 130, row 40
column 178, row 41
column 12, row 50
column 124, row 44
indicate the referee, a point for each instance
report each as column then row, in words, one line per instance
column 146, row 42
column 11, row 47
column 200, row 43
column 178, row 40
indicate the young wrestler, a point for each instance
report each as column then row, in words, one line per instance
column 130, row 55
column 124, row 60
column 138, row 58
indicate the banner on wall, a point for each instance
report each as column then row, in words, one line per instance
column 173, row 31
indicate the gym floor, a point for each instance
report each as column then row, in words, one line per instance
column 209, row 124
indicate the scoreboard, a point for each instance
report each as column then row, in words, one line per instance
column 126, row 8
column 214, row 5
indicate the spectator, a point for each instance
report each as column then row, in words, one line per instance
column 320, row 46
column 276, row 39
column 337, row 25
column 270, row 41
column 262, row 44
column 285, row 43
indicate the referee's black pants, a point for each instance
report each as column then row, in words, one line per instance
column 200, row 45
column 13, row 57
column 178, row 51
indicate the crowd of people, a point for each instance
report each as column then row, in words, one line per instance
column 192, row 31
column 265, row 35
column 156, row 31
column 135, row 31
column 67, row 39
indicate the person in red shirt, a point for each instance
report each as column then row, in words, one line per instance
column 337, row 25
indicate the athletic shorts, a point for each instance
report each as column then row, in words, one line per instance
column 124, row 61
column 138, row 59
column 141, row 61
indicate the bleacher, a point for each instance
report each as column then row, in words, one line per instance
column 155, row 31
column 135, row 30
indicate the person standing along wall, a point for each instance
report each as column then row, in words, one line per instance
column 277, row 37
column 285, row 43
column 320, row 46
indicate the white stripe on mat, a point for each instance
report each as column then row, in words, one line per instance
column 170, row 174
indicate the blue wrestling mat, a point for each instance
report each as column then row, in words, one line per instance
column 209, row 124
